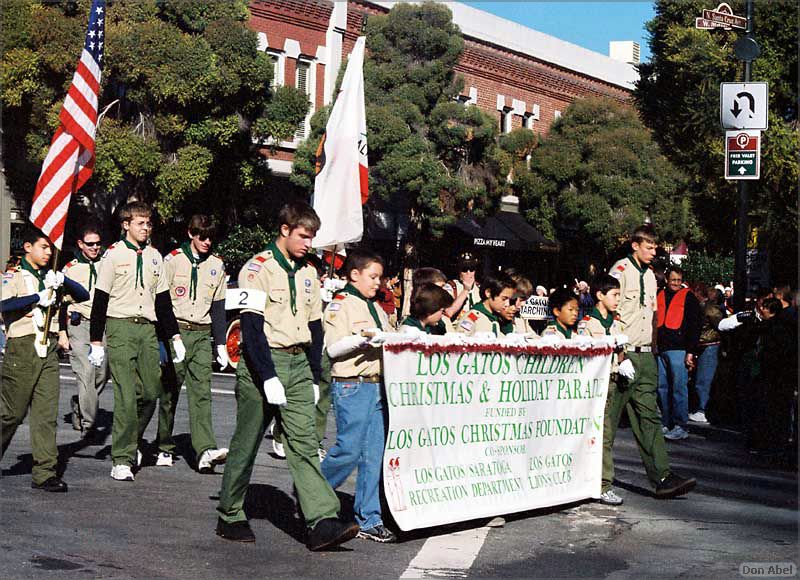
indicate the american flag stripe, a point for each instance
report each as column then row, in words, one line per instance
column 70, row 161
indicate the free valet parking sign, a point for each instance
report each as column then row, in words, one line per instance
column 481, row 428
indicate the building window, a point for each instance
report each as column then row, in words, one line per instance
column 303, row 83
column 527, row 121
column 278, row 60
column 506, row 115
column 556, row 115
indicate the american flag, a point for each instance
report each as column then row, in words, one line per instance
column 70, row 160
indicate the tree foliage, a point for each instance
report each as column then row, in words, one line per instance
column 678, row 96
column 429, row 156
column 188, row 96
column 710, row 269
column 595, row 177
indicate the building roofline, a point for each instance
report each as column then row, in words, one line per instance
column 501, row 32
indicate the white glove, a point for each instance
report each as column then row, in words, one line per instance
column 46, row 298
column 96, row 355
column 626, row 369
column 378, row 338
column 53, row 279
column 347, row 345
column 621, row 339
column 273, row 390
column 222, row 357
column 411, row 331
column 180, row 350
column 316, row 393
column 729, row 323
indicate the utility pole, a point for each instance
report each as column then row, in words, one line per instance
column 746, row 49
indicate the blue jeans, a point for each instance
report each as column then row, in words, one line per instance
column 706, row 368
column 673, row 392
column 360, row 438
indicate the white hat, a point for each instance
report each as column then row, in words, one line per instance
column 719, row 287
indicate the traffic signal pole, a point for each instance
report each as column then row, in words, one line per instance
column 742, row 231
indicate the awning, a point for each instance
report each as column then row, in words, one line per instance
column 509, row 230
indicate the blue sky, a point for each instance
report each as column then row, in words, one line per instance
column 588, row 24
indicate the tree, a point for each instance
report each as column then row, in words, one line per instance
column 595, row 177
column 430, row 157
column 188, row 96
column 678, row 97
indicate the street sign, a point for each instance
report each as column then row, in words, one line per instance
column 724, row 15
column 744, row 105
column 742, row 154
column 703, row 24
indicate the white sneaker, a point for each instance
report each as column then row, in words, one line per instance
column 698, row 417
column 664, row 430
column 211, row 457
column 610, row 498
column 277, row 448
column 121, row 473
column 164, row 459
column 322, row 452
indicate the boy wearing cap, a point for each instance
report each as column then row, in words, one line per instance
column 465, row 291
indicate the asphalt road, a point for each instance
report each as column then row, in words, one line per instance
column 744, row 509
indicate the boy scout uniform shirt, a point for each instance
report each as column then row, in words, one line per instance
column 79, row 272
column 456, row 287
column 20, row 322
column 271, row 299
column 117, row 277
column 636, row 309
column 348, row 315
column 596, row 330
column 210, row 286
column 477, row 321
column 555, row 329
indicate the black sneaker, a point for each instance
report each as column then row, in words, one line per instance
column 331, row 532
column 378, row 534
column 674, row 485
column 54, row 484
column 236, row 531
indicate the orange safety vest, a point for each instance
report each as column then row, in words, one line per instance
column 674, row 315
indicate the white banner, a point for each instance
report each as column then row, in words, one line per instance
column 484, row 430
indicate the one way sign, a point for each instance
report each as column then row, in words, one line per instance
column 744, row 105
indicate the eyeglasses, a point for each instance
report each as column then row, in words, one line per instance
column 203, row 238
column 90, row 244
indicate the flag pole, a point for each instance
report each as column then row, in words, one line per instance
column 49, row 317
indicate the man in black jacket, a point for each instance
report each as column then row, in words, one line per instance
column 678, row 334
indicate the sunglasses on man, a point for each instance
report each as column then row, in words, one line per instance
column 90, row 244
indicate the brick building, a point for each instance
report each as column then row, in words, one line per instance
column 522, row 76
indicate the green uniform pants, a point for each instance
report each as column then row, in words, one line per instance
column 195, row 371
column 31, row 381
column 323, row 405
column 135, row 366
column 639, row 397
column 317, row 500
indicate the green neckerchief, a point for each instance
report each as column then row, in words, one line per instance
column 350, row 289
column 139, row 263
column 186, row 247
column 92, row 270
column 641, row 271
column 290, row 272
column 505, row 327
column 567, row 332
column 38, row 274
column 436, row 329
column 605, row 322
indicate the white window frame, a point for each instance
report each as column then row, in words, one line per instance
column 506, row 119
column 311, row 90
column 278, row 67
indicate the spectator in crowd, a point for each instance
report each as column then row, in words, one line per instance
column 385, row 298
column 541, row 291
column 678, row 315
column 465, row 290
column 585, row 302
column 708, row 352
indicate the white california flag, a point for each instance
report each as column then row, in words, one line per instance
column 341, row 185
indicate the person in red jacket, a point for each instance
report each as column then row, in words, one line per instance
column 679, row 324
